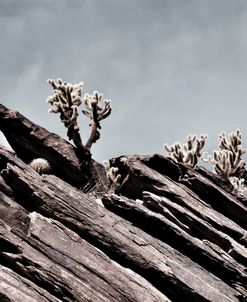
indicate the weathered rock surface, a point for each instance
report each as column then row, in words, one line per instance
column 170, row 234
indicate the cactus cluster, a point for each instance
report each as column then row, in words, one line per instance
column 189, row 152
column 227, row 160
column 66, row 99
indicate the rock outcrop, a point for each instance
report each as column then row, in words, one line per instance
column 170, row 233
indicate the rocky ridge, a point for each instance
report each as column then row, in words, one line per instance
column 170, row 233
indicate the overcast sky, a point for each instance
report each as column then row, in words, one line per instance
column 170, row 67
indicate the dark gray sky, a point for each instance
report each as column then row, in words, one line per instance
column 170, row 67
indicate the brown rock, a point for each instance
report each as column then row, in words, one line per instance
column 171, row 234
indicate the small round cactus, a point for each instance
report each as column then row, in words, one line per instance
column 40, row 165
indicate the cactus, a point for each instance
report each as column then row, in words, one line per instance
column 189, row 152
column 66, row 99
column 238, row 186
column 113, row 177
column 227, row 160
column 40, row 165
column 96, row 113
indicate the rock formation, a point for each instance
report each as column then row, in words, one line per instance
column 169, row 233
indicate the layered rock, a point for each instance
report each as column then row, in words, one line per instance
column 170, row 233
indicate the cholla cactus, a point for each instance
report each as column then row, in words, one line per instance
column 40, row 165
column 238, row 186
column 96, row 113
column 66, row 100
column 227, row 160
column 189, row 152
column 112, row 176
